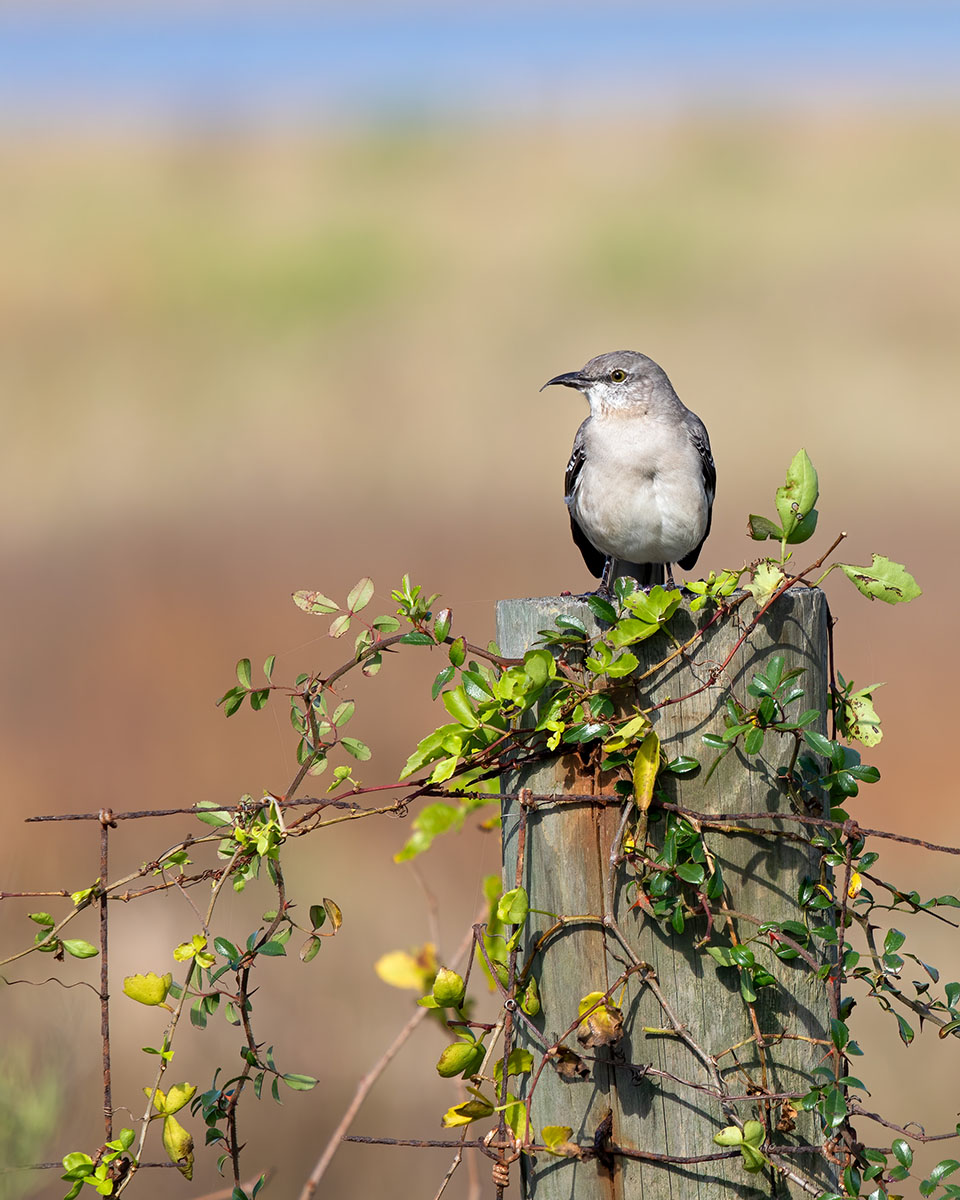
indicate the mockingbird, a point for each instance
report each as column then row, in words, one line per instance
column 640, row 481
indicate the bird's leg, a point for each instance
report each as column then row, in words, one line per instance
column 670, row 583
column 604, row 588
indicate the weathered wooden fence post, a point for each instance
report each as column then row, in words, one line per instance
column 566, row 871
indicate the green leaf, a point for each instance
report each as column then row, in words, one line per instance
column 540, row 667
column 385, row 624
column 602, row 609
column 78, row 1159
column 300, row 1083
column 232, row 701
column 902, row 1152
column 339, row 625
column 225, row 947
column 360, row 595
column 343, row 712
column 429, row 822
column 818, row 743
column 458, row 705
column 945, row 1167
column 315, row 602
column 753, row 1133
column 437, row 818
column 905, row 1030
column 442, row 679
column 796, row 499
column 243, row 673
column 834, row 1107
column 760, row 528
column 79, row 948
column 416, row 638
column 520, row 1062
column 448, row 989
column 623, row 665
column 753, row 1160
column 272, row 949
column 882, row 580
column 682, row 765
column 730, row 1136
column 310, row 949
column 360, row 750
column 126, row 1138
column 742, row 956
column 573, row 623
column 691, row 873
column 513, row 906
column 41, row 918
column 268, row 667
column 458, row 652
column 460, row 1058
column 212, row 814
column 441, row 625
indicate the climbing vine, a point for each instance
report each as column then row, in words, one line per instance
column 580, row 693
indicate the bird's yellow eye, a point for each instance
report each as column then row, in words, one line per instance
column 617, row 376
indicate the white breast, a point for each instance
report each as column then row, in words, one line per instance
column 640, row 494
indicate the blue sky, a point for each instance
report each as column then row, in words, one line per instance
column 332, row 63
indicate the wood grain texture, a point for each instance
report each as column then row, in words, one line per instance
column 566, row 863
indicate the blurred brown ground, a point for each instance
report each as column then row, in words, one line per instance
column 234, row 368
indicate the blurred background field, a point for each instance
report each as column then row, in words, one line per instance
column 263, row 335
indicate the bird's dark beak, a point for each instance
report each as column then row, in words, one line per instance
column 574, row 379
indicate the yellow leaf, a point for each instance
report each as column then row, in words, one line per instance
column 159, row 1098
column 463, row 1114
column 179, row 1146
column 645, row 768
column 179, row 1095
column 767, row 577
column 148, row 989
column 557, row 1140
column 401, row 969
column 589, row 1001
column 856, row 883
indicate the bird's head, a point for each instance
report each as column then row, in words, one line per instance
column 620, row 380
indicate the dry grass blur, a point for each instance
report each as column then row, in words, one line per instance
column 235, row 367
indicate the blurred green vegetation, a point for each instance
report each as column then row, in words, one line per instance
column 232, row 367
column 31, row 1102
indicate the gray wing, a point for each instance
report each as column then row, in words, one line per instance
column 697, row 432
column 593, row 557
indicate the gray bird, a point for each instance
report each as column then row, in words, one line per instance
column 640, row 482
